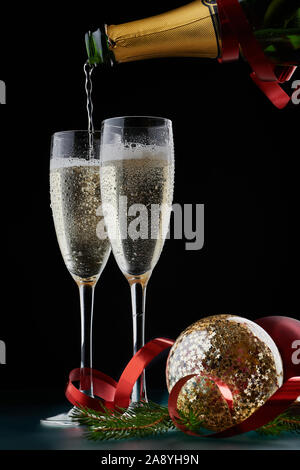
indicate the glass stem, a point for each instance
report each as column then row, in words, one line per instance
column 86, row 293
column 138, row 299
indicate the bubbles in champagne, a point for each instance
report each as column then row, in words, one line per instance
column 145, row 179
column 75, row 198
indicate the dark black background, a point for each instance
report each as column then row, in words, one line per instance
column 235, row 153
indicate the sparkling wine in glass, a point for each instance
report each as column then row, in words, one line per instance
column 75, row 202
column 137, row 179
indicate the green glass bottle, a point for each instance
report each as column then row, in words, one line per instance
column 193, row 31
column 98, row 47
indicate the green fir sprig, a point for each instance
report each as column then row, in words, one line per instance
column 145, row 419
column 150, row 419
column 286, row 422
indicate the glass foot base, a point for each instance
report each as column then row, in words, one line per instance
column 63, row 419
column 135, row 405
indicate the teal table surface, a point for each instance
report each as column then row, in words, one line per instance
column 20, row 429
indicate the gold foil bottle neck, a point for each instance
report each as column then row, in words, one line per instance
column 188, row 31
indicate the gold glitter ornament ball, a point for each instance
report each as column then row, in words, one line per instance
column 230, row 348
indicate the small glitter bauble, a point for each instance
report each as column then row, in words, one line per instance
column 230, row 348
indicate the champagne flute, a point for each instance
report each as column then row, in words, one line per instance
column 137, row 179
column 75, row 202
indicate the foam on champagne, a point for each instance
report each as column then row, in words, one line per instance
column 120, row 151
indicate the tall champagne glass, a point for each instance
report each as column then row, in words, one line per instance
column 137, row 178
column 75, row 202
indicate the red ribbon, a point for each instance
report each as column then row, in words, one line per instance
column 172, row 402
column 284, row 332
column 236, row 31
column 276, row 405
column 114, row 394
column 135, row 367
column 103, row 387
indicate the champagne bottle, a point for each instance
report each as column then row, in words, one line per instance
column 194, row 30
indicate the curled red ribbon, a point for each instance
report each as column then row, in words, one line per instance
column 276, row 405
column 236, row 32
column 172, row 402
column 116, row 395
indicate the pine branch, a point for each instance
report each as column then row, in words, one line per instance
column 191, row 421
column 288, row 421
column 149, row 419
column 144, row 420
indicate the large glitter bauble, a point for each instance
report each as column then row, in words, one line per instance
column 230, row 348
